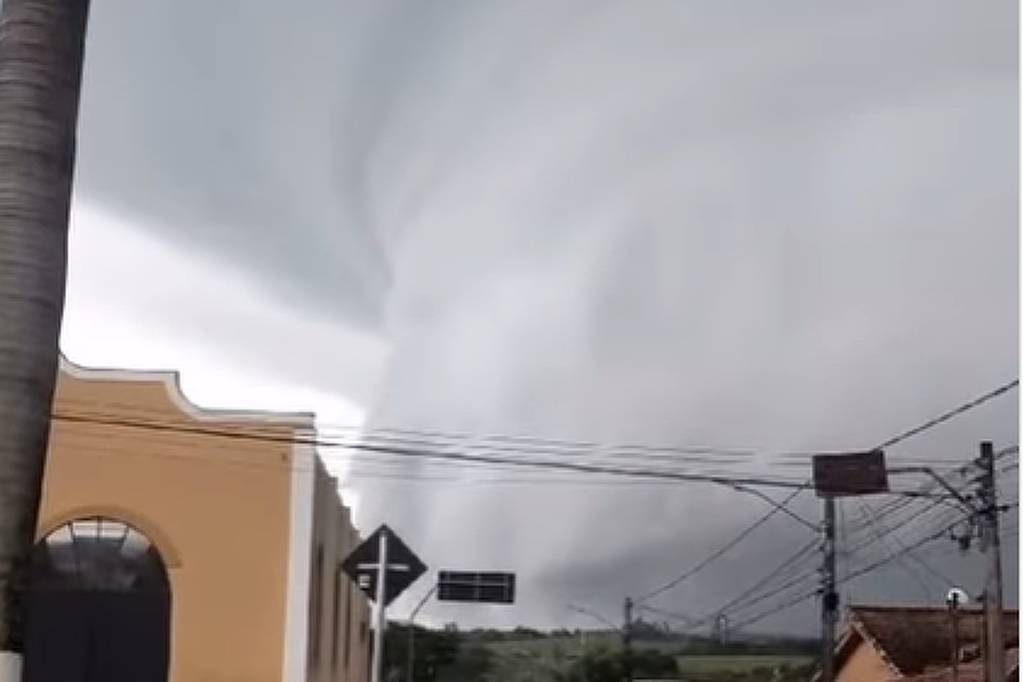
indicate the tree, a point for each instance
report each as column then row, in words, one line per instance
column 599, row 665
column 41, row 54
column 434, row 649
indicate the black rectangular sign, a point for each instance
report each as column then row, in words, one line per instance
column 494, row 588
column 860, row 473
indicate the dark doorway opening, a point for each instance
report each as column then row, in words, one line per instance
column 99, row 606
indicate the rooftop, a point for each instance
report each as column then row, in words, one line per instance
column 916, row 640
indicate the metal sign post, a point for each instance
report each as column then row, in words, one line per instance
column 378, row 634
column 382, row 567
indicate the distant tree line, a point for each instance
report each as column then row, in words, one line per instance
column 480, row 655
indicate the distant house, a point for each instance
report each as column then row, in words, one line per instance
column 916, row 643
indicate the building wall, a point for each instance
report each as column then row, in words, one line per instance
column 223, row 510
column 339, row 613
column 864, row 665
column 357, row 615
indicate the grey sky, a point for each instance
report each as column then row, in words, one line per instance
column 782, row 226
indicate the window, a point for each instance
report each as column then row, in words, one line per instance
column 99, row 554
column 348, row 626
column 315, row 606
column 98, row 605
column 336, row 631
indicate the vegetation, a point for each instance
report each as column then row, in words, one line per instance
column 529, row 655
column 729, row 668
column 434, row 650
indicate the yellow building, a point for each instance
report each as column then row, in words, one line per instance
column 184, row 544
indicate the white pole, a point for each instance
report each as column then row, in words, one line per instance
column 378, row 634
column 10, row 666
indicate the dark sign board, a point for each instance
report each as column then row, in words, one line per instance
column 494, row 588
column 403, row 567
column 847, row 475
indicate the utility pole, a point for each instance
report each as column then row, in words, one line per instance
column 829, row 598
column 954, row 599
column 956, row 643
column 721, row 630
column 627, row 641
column 378, row 634
column 583, row 655
column 840, row 475
column 995, row 664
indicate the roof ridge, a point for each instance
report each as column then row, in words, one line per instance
column 919, row 607
column 872, row 640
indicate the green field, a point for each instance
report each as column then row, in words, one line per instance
column 538, row 659
column 735, row 663
column 559, row 658
column 572, row 646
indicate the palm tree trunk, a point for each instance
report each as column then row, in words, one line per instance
column 41, row 54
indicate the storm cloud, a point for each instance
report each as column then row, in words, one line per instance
column 782, row 227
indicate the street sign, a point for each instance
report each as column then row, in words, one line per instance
column 492, row 587
column 403, row 567
column 847, row 475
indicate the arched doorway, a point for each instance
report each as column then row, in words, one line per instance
column 99, row 606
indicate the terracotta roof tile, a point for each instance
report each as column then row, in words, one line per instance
column 918, row 639
column 968, row 672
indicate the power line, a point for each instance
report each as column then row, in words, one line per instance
column 722, row 460
column 358, row 469
column 885, row 543
column 734, row 604
column 667, row 614
column 738, row 603
column 898, row 505
column 915, row 518
column 593, row 614
column 578, row 448
column 361, row 466
column 946, row 416
column 725, row 548
column 735, row 482
column 520, row 442
column 906, row 550
column 1010, row 450
column 853, row 575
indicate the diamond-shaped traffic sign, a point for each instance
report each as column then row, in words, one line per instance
column 403, row 567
